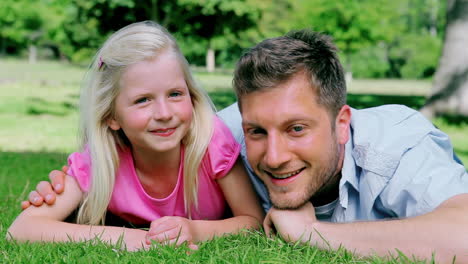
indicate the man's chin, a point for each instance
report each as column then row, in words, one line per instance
column 283, row 202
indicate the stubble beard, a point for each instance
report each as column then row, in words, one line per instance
column 320, row 178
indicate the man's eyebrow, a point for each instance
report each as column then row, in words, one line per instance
column 252, row 124
column 287, row 121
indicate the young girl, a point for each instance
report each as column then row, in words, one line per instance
column 152, row 152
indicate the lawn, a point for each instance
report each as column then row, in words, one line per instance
column 38, row 117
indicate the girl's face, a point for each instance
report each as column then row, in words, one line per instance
column 153, row 108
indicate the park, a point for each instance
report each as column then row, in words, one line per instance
column 393, row 58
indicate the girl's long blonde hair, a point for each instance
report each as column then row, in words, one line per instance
column 131, row 44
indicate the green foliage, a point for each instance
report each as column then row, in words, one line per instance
column 192, row 48
column 353, row 24
column 377, row 38
column 215, row 24
column 370, row 62
column 31, row 22
column 195, row 23
column 236, row 16
column 20, row 23
column 422, row 54
column 414, row 56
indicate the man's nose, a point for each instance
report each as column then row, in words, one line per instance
column 277, row 151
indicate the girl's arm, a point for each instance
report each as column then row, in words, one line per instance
column 45, row 223
column 244, row 205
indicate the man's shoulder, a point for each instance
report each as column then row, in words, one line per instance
column 389, row 123
column 381, row 135
column 384, row 114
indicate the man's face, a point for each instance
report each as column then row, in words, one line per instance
column 291, row 143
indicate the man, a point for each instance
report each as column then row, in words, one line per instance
column 333, row 173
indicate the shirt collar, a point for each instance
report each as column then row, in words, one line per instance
column 349, row 174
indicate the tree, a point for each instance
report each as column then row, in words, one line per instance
column 415, row 50
column 450, row 89
column 379, row 38
column 9, row 37
column 210, row 20
column 354, row 25
column 32, row 25
column 21, row 24
column 198, row 21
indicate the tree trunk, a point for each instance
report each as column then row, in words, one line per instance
column 210, row 58
column 450, row 89
column 154, row 11
column 2, row 46
column 433, row 17
column 32, row 54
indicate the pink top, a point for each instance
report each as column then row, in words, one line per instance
column 130, row 201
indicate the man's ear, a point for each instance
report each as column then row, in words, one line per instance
column 342, row 122
column 113, row 124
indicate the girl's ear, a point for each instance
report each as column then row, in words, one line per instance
column 113, row 124
column 343, row 119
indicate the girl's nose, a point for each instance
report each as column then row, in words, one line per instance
column 162, row 111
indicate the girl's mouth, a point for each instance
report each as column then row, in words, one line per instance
column 163, row 132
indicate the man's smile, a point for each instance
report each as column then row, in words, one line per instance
column 284, row 175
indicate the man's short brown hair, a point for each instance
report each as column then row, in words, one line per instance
column 274, row 61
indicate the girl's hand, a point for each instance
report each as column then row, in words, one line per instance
column 172, row 230
column 47, row 191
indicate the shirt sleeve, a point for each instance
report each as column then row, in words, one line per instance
column 79, row 167
column 427, row 175
column 222, row 151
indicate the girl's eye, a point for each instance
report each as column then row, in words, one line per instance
column 141, row 100
column 175, row 94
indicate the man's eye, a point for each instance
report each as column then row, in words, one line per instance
column 256, row 131
column 297, row 128
column 141, row 100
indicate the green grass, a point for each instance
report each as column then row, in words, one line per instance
column 24, row 170
column 38, row 117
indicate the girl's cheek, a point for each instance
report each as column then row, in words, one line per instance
column 188, row 111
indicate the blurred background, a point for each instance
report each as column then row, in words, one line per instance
column 377, row 38
column 412, row 52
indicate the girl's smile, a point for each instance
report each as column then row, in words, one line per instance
column 154, row 107
column 163, row 132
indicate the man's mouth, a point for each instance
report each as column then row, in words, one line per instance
column 282, row 176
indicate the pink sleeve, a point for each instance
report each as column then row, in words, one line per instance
column 79, row 167
column 222, row 152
